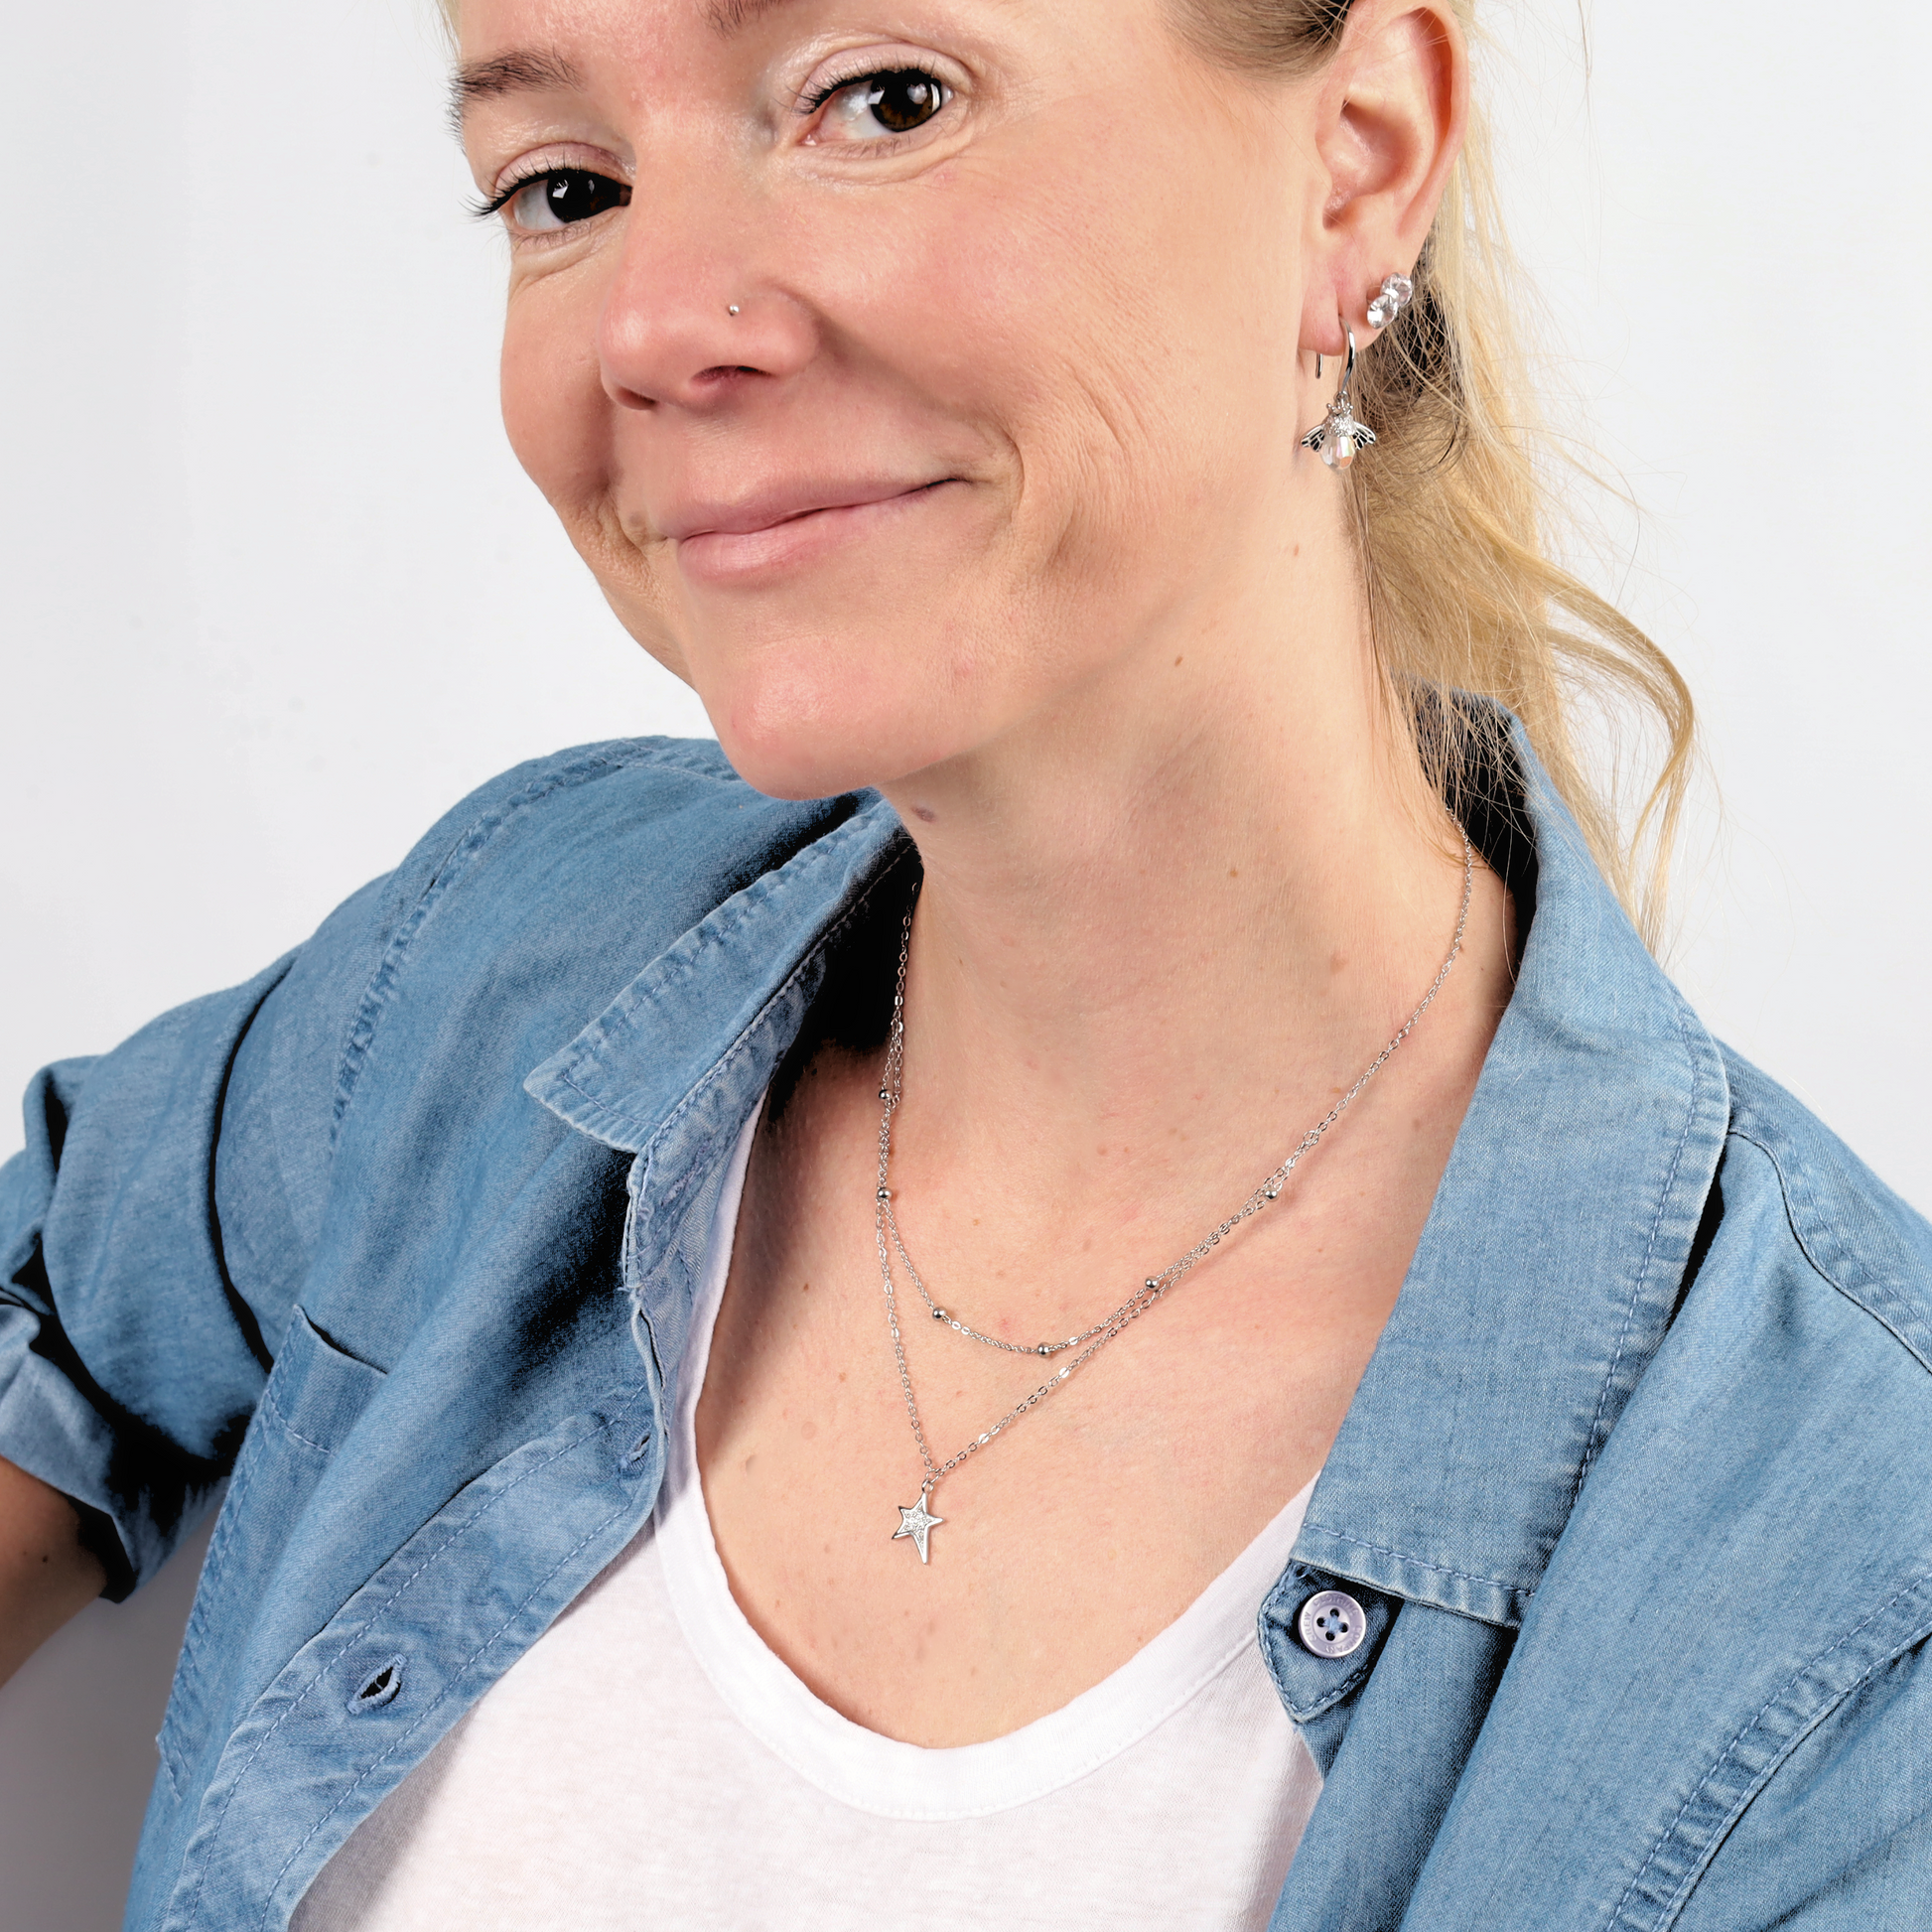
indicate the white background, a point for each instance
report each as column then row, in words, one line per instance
column 273, row 593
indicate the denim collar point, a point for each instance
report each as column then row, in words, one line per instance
column 635, row 1072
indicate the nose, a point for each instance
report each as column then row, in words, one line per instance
column 690, row 321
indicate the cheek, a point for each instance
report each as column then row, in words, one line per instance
column 554, row 406
column 1089, row 305
column 563, row 428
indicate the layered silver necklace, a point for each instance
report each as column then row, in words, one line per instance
column 917, row 1522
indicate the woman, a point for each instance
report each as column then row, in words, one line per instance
column 1385, row 1352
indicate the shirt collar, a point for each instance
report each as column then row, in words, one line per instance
column 1548, row 1269
column 707, row 1017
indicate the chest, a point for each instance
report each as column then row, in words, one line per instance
column 1077, row 1516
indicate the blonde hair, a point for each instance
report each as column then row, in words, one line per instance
column 1456, row 518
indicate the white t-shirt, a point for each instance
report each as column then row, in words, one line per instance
column 648, row 1765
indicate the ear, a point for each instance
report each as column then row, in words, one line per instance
column 1390, row 114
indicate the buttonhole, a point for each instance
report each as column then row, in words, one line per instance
column 636, row 1452
column 381, row 1689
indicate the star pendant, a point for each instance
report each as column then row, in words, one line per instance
column 917, row 1523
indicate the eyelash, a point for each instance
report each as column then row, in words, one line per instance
column 495, row 203
column 826, row 89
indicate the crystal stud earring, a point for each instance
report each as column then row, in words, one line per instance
column 1396, row 295
column 1339, row 436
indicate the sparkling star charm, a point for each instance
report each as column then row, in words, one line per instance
column 917, row 1523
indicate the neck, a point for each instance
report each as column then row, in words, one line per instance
column 1206, row 885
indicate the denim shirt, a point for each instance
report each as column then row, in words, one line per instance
column 1636, row 1490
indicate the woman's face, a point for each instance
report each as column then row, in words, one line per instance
column 901, row 368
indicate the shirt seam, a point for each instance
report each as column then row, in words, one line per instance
column 272, row 1403
column 1421, row 1562
column 1806, row 1248
column 1664, row 1193
column 1675, row 1904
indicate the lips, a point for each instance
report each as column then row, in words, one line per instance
column 768, row 509
column 759, row 537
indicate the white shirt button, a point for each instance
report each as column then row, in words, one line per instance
column 1332, row 1624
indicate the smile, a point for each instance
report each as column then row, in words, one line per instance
column 760, row 538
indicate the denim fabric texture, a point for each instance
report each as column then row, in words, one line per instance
column 399, row 1241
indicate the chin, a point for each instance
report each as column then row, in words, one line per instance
column 820, row 672
column 807, row 724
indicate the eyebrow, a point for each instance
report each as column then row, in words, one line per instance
column 533, row 69
column 507, row 73
column 730, row 16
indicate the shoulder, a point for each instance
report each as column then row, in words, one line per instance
column 1730, row 1636
column 631, row 839
column 1736, row 1615
column 1809, row 1200
column 509, row 925
column 1786, row 1417
column 1790, row 1399
column 592, row 813
column 547, row 889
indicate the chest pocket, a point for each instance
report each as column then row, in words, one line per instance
column 311, row 1401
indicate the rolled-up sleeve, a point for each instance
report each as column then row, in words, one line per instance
column 153, row 1240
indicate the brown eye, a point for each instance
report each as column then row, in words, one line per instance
column 894, row 102
column 565, row 195
column 905, row 99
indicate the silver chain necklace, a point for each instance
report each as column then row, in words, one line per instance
column 917, row 1522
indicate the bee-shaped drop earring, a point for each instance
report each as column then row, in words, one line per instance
column 1339, row 437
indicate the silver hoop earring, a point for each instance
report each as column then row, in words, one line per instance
column 1396, row 295
column 1339, row 436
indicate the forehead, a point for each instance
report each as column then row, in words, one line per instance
column 510, row 48
column 492, row 26
column 515, row 53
